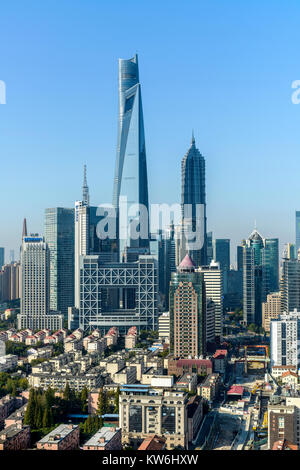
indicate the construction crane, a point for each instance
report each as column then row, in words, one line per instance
column 258, row 386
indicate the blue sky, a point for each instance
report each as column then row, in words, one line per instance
column 224, row 69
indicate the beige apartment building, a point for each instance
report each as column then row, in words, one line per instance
column 270, row 309
column 145, row 411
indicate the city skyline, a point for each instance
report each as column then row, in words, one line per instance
column 255, row 134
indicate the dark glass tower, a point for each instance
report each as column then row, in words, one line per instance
column 297, row 231
column 131, row 183
column 59, row 235
column 193, row 194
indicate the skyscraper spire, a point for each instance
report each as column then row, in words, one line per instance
column 131, row 167
column 193, row 138
column 85, row 189
column 24, row 233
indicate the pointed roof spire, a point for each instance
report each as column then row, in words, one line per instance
column 193, row 138
column 24, row 233
column 85, row 189
column 187, row 264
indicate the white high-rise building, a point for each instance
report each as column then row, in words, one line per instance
column 213, row 279
column 35, row 286
column 164, row 326
column 35, row 266
column 285, row 340
column 81, row 244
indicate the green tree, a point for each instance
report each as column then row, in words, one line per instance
column 67, row 392
column 30, row 410
column 116, row 400
column 84, row 399
column 102, row 402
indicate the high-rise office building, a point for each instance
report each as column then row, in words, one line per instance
column 297, row 231
column 187, row 311
column 285, row 340
column 162, row 247
column 131, row 183
column 87, row 241
column 221, row 252
column 85, row 189
column 2, row 257
column 118, row 294
column 210, row 253
column 59, row 236
column 35, row 286
column 12, row 256
column 239, row 257
column 290, row 285
column 213, row 280
column 290, row 251
column 260, row 274
column 10, row 282
column 270, row 262
column 193, row 204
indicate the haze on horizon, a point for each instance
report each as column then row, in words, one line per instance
column 224, row 70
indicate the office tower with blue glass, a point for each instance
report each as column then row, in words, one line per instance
column 193, row 204
column 290, row 284
column 2, row 257
column 297, row 231
column 130, row 196
column 117, row 279
column 59, row 236
column 260, row 274
column 209, row 250
column 221, row 254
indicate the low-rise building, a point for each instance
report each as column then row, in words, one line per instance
column 8, row 404
column 112, row 336
column 15, row 437
column 107, row 438
column 277, row 371
column 153, row 443
column 7, row 362
column 220, row 360
column 131, row 338
column 16, row 417
column 290, row 378
column 179, row 367
column 188, row 382
column 195, row 416
column 209, row 389
column 144, row 411
column 64, row 437
column 127, row 375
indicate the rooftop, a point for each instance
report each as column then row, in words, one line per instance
column 102, row 437
column 58, row 434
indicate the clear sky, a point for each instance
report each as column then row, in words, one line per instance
column 222, row 68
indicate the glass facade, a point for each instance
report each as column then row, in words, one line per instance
column 297, row 231
column 193, row 193
column 2, row 260
column 59, row 235
column 135, row 418
column 131, row 170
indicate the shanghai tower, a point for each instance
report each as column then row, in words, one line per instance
column 130, row 198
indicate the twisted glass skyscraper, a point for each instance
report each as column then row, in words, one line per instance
column 130, row 183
